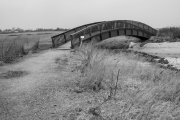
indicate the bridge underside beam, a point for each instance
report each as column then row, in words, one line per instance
column 112, row 33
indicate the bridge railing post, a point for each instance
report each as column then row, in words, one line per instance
column 89, row 32
column 65, row 38
column 53, row 44
column 72, row 42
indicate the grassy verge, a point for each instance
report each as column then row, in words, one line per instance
column 11, row 48
column 130, row 88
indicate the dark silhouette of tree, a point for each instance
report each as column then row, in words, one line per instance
column 170, row 31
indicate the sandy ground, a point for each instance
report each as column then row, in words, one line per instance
column 170, row 51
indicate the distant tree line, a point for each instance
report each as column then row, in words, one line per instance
column 61, row 29
column 169, row 31
column 167, row 34
column 19, row 30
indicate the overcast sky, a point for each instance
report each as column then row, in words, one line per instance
column 32, row 14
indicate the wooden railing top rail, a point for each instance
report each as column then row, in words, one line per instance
column 126, row 21
column 76, row 28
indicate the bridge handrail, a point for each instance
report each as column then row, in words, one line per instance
column 89, row 27
column 64, row 37
column 75, row 28
column 72, row 44
column 93, row 28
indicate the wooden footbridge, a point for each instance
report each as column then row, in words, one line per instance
column 104, row 30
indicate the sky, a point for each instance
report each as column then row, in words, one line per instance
column 32, row 14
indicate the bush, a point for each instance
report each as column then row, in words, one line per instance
column 169, row 31
column 91, row 67
column 120, row 42
column 120, row 45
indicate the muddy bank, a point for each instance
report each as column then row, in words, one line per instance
column 160, row 61
column 168, row 50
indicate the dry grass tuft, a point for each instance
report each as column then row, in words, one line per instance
column 11, row 48
column 135, row 89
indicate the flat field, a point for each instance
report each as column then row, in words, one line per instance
column 43, row 37
column 16, row 44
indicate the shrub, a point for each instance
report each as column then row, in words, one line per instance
column 170, row 31
column 121, row 42
column 113, row 45
column 91, row 67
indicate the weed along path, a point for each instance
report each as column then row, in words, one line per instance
column 38, row 74
column 38, row 69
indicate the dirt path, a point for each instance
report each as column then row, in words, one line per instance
column 19, row 96
column 40, row 68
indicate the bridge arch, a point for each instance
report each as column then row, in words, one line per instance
column 112, row 33
column 105, row 30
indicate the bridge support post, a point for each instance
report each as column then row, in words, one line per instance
column 65, row 38
column 109, row 34
column 74, row 30
column 100, row 37
column 117, row 32
column 53, row 44
column 72, row 42
column 90, row 32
